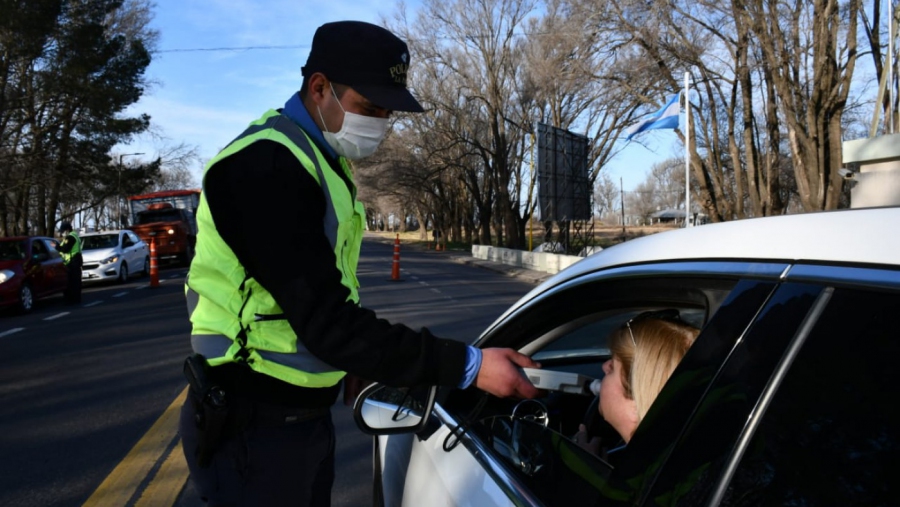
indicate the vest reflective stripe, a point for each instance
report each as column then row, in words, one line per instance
column 218, row 345
column 235, row 318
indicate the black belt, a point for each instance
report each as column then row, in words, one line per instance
column 240, row 381
column 266, row 415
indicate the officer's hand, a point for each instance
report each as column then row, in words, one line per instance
column 500, row 374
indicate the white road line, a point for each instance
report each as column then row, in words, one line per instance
column 423, row 283
column 11, row 331
column 414, row 277
column 435, row 290
column 142, row 287
column 58, row 315
column 120, row 294
column 95, row 303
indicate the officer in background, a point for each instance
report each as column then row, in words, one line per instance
column 274, row 340
column 70, row 250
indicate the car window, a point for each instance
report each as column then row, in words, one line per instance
column 39, row 251
column 52, row 248
column 831, row 435
column 99, row 241
column 736, row 379
column 567, row 331
column 11, row 251
column 133, row 236
column 126, row 241
column 638, row 464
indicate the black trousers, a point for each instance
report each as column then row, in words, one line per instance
column 265, row 464
column 72, row 293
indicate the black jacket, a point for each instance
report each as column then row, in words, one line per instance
column 270, row 211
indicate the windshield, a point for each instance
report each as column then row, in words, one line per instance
column 12, row 251
column 163, row 215
column 99, row 241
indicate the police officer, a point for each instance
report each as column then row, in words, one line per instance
column 70, row 250
column 278, row 337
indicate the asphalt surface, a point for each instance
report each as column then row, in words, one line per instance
column 462, row 257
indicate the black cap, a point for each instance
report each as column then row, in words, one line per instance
column 365, row 57
column 65, row 227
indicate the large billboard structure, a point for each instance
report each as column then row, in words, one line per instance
column 564, row 189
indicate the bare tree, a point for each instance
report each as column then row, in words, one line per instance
column 811, row 49
column 606, row 195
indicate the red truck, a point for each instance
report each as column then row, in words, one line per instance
column 169, row 219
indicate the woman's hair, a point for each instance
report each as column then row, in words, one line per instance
column 661, row 343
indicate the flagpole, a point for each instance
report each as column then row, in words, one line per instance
column 687, row 148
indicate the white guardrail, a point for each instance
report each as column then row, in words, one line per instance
column 539, row 261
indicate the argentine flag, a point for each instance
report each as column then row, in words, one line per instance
column 665, row 118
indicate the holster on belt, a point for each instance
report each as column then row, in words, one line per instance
column 211, row 407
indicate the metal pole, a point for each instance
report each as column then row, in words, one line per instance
column 891, row 65
column 622, row 192
column 531, row 215
column 118, row 221
column 687, row 148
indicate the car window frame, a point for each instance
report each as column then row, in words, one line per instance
column 714, row 273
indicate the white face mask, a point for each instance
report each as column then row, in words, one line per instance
column 359, row 135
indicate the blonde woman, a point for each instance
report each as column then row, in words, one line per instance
column 645, row 352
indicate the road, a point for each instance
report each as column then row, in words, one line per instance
column 89, row 394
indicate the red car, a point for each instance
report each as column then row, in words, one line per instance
column 30, row 268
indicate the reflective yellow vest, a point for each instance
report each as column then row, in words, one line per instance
column 76, row 249
column 234, row 318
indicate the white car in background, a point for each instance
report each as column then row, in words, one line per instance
column 787, row 397
column 113, row 255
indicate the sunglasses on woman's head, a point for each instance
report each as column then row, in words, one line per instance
column 668, row 315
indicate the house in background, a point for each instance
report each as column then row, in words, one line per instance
column 676, row 216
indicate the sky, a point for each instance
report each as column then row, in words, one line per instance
column 204, row 97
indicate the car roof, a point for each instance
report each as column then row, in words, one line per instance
column 102, row 233
column 856, row 236
column 22, row 238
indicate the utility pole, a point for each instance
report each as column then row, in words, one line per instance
column 622, row 191
column 119, row 189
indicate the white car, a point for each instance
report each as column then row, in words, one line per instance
column 787, row 397
column 113, row 255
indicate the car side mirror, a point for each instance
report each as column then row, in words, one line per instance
column 383, row 410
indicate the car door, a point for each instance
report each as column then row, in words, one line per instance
column 141, row 251
column 57, row 275
column 130, row 252
column 804, row 411
column 40, row 268
column 565, row 329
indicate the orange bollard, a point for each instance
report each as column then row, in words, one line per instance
column 154, row 269
column 395, row 270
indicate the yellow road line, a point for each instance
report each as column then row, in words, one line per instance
column 121, row 485
column 168, row 482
